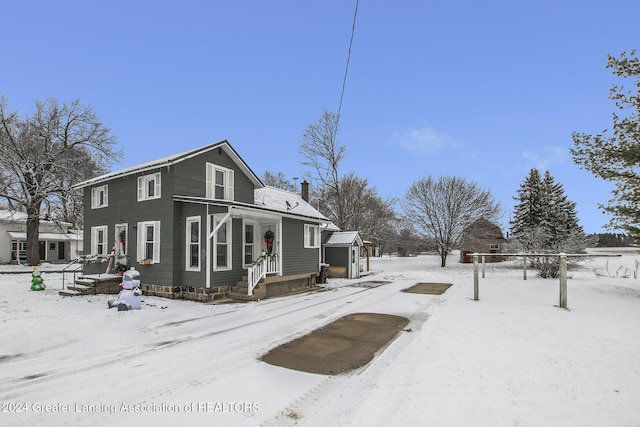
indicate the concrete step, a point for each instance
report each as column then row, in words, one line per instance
column 70, row 293
column 241, row 296
column 82, row 289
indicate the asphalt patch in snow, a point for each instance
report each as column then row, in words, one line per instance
column 348, row 343
column 428, row 288
column 370, row 284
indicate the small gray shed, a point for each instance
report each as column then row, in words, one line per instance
column 341, row 251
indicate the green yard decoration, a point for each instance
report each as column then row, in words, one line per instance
column 37, row 283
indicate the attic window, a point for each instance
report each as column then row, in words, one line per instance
column 219, row 182
column 149, row 187
column 100, row 197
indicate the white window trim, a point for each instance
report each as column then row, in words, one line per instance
column 142, row 236
column 95, row 199
column 188, row 243
column 229, row 243
column 121, row 250
column 211, row 182
column 94, row 239
column 316, row 229
column 143, row 187
column 244, row 240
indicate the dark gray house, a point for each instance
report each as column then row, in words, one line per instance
column 201, row 221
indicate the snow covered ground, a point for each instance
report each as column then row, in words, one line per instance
column 511, row 358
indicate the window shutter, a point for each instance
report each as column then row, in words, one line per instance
column 94, row 199
column 140, row 190
column 156, row 241
column 157, row 185
column 230, row 193
column 317, row 235
column 140, row 243
column 106, row 196
column 209, row 181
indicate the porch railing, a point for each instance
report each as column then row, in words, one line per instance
column 264, row 265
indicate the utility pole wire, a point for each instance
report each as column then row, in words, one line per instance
column 346, row 71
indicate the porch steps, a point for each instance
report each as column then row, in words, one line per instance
column 84, row 285
column 239, row 291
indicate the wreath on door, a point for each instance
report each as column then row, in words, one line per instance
column 268, row 240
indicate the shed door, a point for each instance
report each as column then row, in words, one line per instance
column 355, row 262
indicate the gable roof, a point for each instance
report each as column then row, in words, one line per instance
column 176, row 158
column 483, row 229
column 344, row 238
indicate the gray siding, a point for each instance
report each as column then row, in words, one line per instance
column 297, row 259
column 187, row 178
column 191, row 174
column 182, row 277
column 123, row 207
column 337, row 256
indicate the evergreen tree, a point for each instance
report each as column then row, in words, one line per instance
column 527, row 213
column 545, row 220
column 615, row 156
column 560, row 216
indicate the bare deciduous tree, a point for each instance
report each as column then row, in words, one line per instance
column 43, row 155
column 349, row 201
column 321, row 150
column 443, row 208
column 278, row 181
column 360, row 207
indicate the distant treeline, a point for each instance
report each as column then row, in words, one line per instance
column 612, row 240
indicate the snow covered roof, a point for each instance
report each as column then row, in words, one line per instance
column 344, row 238
column 275, row 199
column 7, row 215
column 17, row 235
column 176, row 158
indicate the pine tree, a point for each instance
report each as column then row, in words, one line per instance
column 614, row 155
column 545, row 220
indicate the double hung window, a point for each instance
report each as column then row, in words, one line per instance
column 100, row 197
column 222, row 243
column 99, row 244
column 219, row 182
column 193, row 243
column 149, row 241
column 311, row 236
column 149, row 187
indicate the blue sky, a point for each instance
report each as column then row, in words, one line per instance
column 483, row 90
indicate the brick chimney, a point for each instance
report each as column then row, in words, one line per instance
column 305, row 190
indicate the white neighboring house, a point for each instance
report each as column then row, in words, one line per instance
column 59, row 243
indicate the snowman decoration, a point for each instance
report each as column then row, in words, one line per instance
column 130, row 296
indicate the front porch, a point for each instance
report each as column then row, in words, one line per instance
column 268, row 287
column 274, row 286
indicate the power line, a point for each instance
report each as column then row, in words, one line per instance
column 346, row 70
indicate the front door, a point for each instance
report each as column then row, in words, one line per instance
column 268, row 230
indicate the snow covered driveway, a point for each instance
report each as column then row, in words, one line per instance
column 511, row 358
